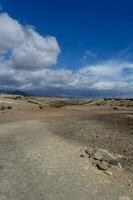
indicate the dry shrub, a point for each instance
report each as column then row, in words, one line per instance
column 2, row 107
column 40, row 106
column 9, row 107
column 62, row 103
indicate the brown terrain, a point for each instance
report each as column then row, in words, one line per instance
column 63, row 149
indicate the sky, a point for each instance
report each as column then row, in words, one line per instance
column 77, row 48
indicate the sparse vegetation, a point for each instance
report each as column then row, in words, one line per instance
column 98, row 104
column 9, row 107
column 5, row 107
column 32, row 101
column 59, row 104
column 40, row 106
column 129, row 105
column 93, row 130
column 2, row 107
column 63, row 103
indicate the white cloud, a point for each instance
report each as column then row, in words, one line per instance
column 11, row 33
column 28, row 48
column 103, row 77
column 36, row 51
column 25, row 56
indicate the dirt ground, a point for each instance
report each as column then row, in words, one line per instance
column 40, row 152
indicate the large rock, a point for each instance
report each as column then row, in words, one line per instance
column 103, row 159
column 104, row 155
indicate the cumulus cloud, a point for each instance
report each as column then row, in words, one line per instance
column 36, row 51
column 107, row 78
column 110, row 75
column 27, row 48
column 26, row 57
column 11, row 33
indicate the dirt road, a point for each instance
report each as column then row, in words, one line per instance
column 40, row 158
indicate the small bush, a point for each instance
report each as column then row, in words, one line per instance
column 9, row 107
column 121, row 104
column 59, row 104
column 2, row 108
column 129, row 105
column 98, row 104
column 40, row 106
column 32, row 101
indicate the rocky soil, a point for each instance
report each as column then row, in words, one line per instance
column 61, row 149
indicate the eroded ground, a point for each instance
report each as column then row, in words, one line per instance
column 40, row 151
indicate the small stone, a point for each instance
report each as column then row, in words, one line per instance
column 81, row 155
column 103, row 165
column 119, row 165
column 89, row 151
column 109, row 173
column 98, row 156
column 114, row 162
column 94, row 163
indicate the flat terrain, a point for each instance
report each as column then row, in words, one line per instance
column 42, row 150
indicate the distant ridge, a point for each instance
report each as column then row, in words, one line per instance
column 18, row 92
column 15, row 92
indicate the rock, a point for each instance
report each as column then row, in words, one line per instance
column 103, row 165
column 106, row 159
column 89, row 151
column 119, row 165
column 114, row 162
column 104, row 155
column 102, row 159
column 119, row 156
column 109, row 173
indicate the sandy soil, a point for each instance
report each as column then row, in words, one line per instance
column 40, row 152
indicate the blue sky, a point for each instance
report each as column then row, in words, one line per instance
column 104, row 27
column 92, row 35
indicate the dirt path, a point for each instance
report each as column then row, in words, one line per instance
column 36, row 164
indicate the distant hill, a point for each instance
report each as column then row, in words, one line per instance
column 15, row 92
column 18, row 92
column 4, row 92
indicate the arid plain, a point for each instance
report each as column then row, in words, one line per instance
column 62, row 149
